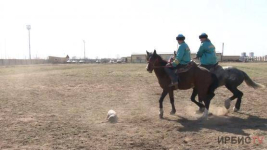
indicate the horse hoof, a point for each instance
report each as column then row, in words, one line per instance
column 205, row 115
column 200, row 110
column 161, row 113
column 235, row 109
column 172, row 112
column 161, row 116
column 227, row 103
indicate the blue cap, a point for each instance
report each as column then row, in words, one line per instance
column 203, row 35
column 180, row 36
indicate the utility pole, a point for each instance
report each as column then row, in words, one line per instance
column 29, row 28
column 84, row 48
column 222, row 51
column 5, row 48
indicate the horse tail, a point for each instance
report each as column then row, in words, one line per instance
column 251, row 83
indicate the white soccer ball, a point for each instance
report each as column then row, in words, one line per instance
column 112, row 116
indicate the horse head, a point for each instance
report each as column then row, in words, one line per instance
column 152, row 61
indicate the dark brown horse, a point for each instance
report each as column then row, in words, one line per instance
column 198, row 78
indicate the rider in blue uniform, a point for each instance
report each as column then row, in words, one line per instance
column 182, row 58
column 206, row 52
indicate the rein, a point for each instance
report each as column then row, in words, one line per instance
column 157, row 67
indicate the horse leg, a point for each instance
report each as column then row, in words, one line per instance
column 199, row 104
column 206, row 112
column 227, row 102
column 238, row 102
column 206, row 98
column 172, row 102
column 164, row 93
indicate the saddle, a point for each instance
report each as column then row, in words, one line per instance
column 186, row 68
column 211, row 68
column 215, row 67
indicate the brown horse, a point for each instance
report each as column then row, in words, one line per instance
column 198, row 78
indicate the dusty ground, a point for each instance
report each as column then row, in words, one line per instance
column 65, row 107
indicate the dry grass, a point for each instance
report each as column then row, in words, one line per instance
column 65, row 107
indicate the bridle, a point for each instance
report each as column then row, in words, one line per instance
column 153, row 65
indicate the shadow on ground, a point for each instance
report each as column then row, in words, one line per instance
column 229, row 124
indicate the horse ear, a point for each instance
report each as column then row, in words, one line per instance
column 174, row 52
column 147, row 52
column 155, row 52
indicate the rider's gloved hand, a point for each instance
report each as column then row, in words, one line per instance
column 175, row 63
column 171, row 60
column 169, row 65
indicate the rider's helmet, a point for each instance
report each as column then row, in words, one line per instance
column 203, row 35
column 180, row 37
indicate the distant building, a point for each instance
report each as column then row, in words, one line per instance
column 138, row 58
column 243, row 56
column 251, row 54
column 231, row 58
column 219, row 56
column 166, row 56
column 127, row 59
column 58, row 60
column 141, row 58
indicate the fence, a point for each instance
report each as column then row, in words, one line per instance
column 6, row 62
column 254, row 59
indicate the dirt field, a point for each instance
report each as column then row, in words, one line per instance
column 65, row 107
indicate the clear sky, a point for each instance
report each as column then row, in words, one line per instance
column 113, row 28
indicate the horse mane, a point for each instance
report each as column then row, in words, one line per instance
column 161, row 61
